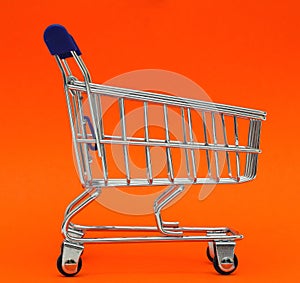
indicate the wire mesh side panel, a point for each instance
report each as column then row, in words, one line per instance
column 151, row 143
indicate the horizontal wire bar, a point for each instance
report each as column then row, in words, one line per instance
column 176, row 144
column 169, row 100
column 214, row 237
column 99, row 183
column 212, row 230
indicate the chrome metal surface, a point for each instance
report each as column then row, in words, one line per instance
column 225, row 255
column 147, row 148
column 192, row 142
column 202, row 136
column 168, row 149
column 70, row 257
column 170, row 100
column 211, row 248
column 226, row 144
column 167, row 228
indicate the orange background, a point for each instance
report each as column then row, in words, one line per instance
column 241, row 52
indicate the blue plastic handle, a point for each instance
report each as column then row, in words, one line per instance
column 60, row 42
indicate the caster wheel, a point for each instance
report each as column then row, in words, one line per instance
column 227, row 267
column 59, row 265
column 62, row 249
column 210, row 258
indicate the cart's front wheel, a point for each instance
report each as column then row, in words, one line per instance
column 226, row 266
column 210, row 258
column 69, row 267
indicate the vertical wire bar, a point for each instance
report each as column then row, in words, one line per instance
column 99, row 118
column 168, row 149
column 124, row 138
column 248, row 169
column 101, row 150
column 216, row 154
column 77, row 127
column 206, row 143
column 237, row 154
column 257, row 142
column 85, row 152
column 74, row 94
column 84, row 149
column 69, row 73
column 77, row 116
column 258, row 134
column 226, row 144
column 76, row 145
column 190, row 124
column 147, row 149
column 91, row 99
column 185, row 142
column 75, row 111
column 254, row 156
column 256, row 139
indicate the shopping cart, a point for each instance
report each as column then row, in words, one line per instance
column 225, row 153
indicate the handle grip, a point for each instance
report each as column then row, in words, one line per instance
column 60, row 42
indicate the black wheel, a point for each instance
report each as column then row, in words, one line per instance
column 221, row 271
column 210, row 258
column 60, row 269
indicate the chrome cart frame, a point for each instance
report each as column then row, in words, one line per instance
column 90, row 139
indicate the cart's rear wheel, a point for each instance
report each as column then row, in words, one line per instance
column 59, row 265
column 227, row 267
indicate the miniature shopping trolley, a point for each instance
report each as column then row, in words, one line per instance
column 218, row 144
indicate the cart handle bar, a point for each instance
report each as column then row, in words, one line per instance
column 60, row 42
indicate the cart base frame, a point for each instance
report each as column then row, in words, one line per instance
column 221, row 240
